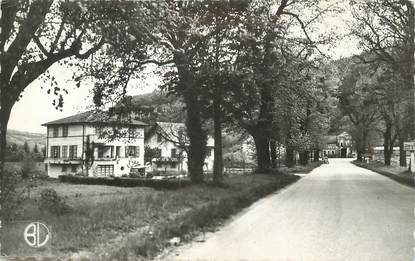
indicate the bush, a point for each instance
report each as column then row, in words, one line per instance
column 11, row 199
column 50, row 201
column 127, row 182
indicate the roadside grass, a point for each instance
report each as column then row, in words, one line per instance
column 397, row 173
column 301, row 169
column 137, row 223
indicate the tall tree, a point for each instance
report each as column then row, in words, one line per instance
column 359, row 104
column 222, row 19
column 179, row 37
column 26, row 147
column 267, row 46
column 37, row 34
column 387, row 29
column 36, row 149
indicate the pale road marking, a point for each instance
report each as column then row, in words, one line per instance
column 338, row 212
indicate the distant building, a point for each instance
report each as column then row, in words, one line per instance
column 338, row 146
column 171, row 140
column 79, row 144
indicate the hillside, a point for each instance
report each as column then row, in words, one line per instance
column 157, row 106
column 19, row 138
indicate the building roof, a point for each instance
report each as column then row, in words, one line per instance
column 97, row 117
column 331, row 139
column 173, row 130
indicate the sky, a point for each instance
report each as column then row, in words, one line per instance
column 35, row 107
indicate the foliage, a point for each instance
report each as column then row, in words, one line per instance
column 35, row 149
column 16, row 153
column 133, row 181
column 12, row 198
column 28, row 167
column 386, row 33
column 150, row 154
column 34, row 36
column 51, row 202
column 158, row 106
column 26, row 147
column 359, row 104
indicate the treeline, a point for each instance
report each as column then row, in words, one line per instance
column 377, row 87
column 18, row 153
column 254, row 66
column 251, row 67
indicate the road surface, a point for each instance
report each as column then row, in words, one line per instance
column 337, row 212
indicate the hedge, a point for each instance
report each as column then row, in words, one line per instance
column 126, row 182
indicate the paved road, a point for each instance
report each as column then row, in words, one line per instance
column 338, row 212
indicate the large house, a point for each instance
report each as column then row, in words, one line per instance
column 94, row 144
column 171, row 141
column 338, row 146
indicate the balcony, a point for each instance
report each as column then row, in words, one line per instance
column 106, row 158
column 63, row 160
column 166, row 160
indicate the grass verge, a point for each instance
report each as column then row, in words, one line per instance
column 399, row 174
column 110, row 223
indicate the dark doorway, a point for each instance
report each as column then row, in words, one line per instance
column 343, row 152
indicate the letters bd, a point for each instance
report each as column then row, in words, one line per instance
column 25, row 238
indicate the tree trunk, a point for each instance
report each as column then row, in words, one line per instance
column 387, row 136
column 408, row 70
column 5, row 111
column 361, row 150
column 197, row 139
column 402, row 153
column 289, row 157
column 197, row 135
column 359, row 155
column 273, row 149
column 218, row 160
column 361, row 143
column 262, row 152
column 316, row 155
column 304, row 157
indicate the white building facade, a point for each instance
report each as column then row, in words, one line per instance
column 340, row 146
column 171, row 141
column 78, row 145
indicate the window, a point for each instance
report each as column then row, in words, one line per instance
column 173, row 165
column 131, row 151
column 73, row 151
column 208, row 152
column 118, row 151
column 65, row 131
column 64, row 151
column 101, row 151
column 73, row 168
column 55, row 151
column 132, row 133
column 173, row 153
column 55, row 131
column 64, row 168
column 159, row 137
column 105, row 170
